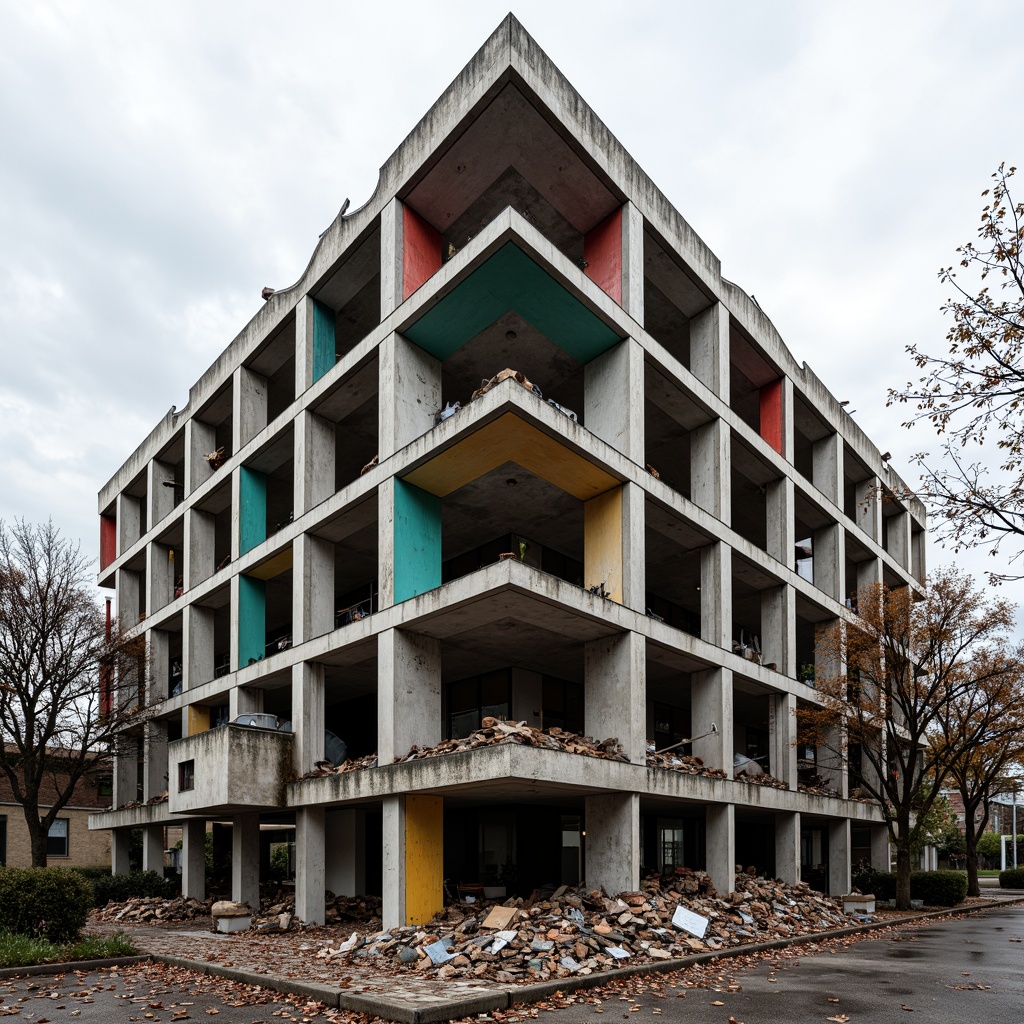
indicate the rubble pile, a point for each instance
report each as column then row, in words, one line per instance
column 153, row 910
column 818, row 787
column 338, row 910
column 677, row 762
column 583, row 931
column 761, row 778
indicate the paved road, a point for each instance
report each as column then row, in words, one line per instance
column 948, row 972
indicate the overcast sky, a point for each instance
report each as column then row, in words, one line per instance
column 161, row 163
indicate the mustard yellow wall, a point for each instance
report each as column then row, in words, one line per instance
column 602, row 542
column 424, row 858
column 198, row 718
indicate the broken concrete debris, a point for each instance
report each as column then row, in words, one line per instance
column 486, row 385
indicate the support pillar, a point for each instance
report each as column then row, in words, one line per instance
column 408, row 692
column 345, row 838
column 313, row 589
column 711, row 705
column 413, row 845
column 633, row 262
column 126, row 771
column 832, row 760
column 899, row 538
column 200, row 441
column 709, row 349
column 787, row 847
column 880, row 859
column 200, row 546
column 158, row 641
column 245, row 859
column 249, row 406
column 716, row 594
column 780, row 499
column 829, row 561
column 720, row 846
column 161, row 497
column 197, row 646
column 710, row 483
column 613, row 544
column 615, row 673
column 827, row 468
column 153, row 849
column 612, row 845
column 314, row 461
column 782, row 734
column 839, row 857
column 119, row 860
column 392, row 276
column 613, row 404
column 778, row 629
column 154, row 762
column 162, row 570
column 410, row 393
column 193, row 858
column 869, row 508
column 308, row 718
column 129, row 521
column 310, row 855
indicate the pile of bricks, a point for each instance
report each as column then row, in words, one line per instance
column 153, row 910
column 582, row 931
column 686, row 763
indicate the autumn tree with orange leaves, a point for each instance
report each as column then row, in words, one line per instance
column 895, row 679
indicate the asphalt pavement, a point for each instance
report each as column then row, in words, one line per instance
column 958, row 971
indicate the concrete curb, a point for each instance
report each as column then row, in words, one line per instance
column 503, row 997
column 72, row 966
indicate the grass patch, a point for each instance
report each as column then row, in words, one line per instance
column 25, row 950
column 988, row 872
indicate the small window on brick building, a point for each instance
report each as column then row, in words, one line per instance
column 105, row 785
column 186, row 776
column 57, row 839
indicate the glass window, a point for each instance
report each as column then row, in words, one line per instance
column 57, row 839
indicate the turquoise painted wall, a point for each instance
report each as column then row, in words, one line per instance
column 417, row 534
column 252, row 528
column 323, row 339
column 252, row 620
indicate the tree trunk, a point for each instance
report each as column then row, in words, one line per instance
column 903, row 871
column 971, row 862
column 37, row 838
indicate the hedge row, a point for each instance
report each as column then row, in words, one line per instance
column 1012, row 878
column 109, row 888
column 51, row 903
column 935, row 888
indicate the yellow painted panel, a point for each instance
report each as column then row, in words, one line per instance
column 511, row 439
column 424, row 858
column 198, row 718
column 602, row 542
column 272, row 567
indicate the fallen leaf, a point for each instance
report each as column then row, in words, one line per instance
column 833, row 999
column 909, row 1009
column 839, row 1018
column 718, row 1002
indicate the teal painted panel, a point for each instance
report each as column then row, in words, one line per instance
column 252, row 620
column 323, row 339
column 417, row 535
column 252, row 500
column 511, row 280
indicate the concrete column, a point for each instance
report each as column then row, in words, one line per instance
column 200, row 541
column 129, row 521
column 313, row 589
column 393, row 861
column 120, row 863
column 309, row 864
column 899, row 538
column 345, row 845
column 615, row 672
column 307, row 717
column 832, row 760
column 129, row 606
column 829, row 561
column 200, row 441
column 709, row 349
column 408, row 693
column 314, row 461
column 159, row 666
column 633, row 262
column 782, row 736
column 386, row 544
column 410, row 393
column 711, row 705
column 720, row 846
column 161, row 498
column 778, row 629
column 245, row 859
column 780, row 499
column 153, row 849
column 613, row 403
column 716, row 594
column 193, row 858
column 827, row 468
column 612, row 844
column 236, row 516
column 918, row 554
column 391, row 258
column 244, row 700
column 303, row 351
column 869, row 508
column 161, row 570
column 869, row 574
column 634, row 547
column 787, row 847
column 125, row 771
column 197, row 646
column 154, row 764
column 249, row 407
column 839, row 857
column 788, row 422
column 880, row 860
column 710, row 483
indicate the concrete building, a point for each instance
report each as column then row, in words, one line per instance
column 337, row 565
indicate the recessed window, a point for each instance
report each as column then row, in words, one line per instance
column 186, row 776
column 57, row 839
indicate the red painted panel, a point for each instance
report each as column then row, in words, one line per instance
column 771, row 414
column 602, row 251
column 108, row 540
column 421, row 251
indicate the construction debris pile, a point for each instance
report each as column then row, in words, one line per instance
column 338, row 910
column 676, row 762
column 153, row 910
column 818, row 787
column 761, row 778
column 582, row 931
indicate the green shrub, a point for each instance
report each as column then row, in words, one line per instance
column 22, row 950
column 1011, row 878
column 118, row 888
column 48, row 902
column 935, row 888
column 26, row 950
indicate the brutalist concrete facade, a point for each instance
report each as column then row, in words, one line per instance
column 337, row 565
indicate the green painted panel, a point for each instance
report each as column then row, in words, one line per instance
column 252, row 500
column 252, row 620
column 323, row 339
column 511, row 280
column 417, row 535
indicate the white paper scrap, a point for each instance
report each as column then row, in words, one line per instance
column 688, row 921
column 618, row 952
